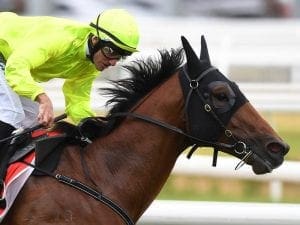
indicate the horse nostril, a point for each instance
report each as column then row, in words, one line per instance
column 278, row 147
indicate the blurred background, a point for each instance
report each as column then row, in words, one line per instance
column 184, row 8
column 254, row 42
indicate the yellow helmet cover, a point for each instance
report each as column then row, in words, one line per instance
column 119, row 27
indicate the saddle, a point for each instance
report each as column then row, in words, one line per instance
column 48, row 144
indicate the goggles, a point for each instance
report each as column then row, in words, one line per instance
column 110, row 51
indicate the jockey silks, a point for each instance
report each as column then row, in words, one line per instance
column 37, row 49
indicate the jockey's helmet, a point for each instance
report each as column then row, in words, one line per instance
column 119, row 27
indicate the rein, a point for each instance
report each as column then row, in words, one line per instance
column 238, row 146
column 21, row 131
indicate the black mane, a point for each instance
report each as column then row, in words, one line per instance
column 145, row 75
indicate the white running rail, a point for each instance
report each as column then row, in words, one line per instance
column 220, row 213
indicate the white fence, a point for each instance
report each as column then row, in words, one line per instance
column 220, row 213
column 231, row 41
column 264, row 96
column 273, row 96
column 201, row 166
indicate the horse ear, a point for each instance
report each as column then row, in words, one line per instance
column 193, row 63
column 204, row 50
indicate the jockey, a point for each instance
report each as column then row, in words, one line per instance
column 38, row 49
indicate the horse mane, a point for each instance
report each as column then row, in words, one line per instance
column 145, row 74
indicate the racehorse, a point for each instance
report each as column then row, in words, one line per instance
column 166, row 106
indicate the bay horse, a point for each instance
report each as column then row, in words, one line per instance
column 166, row 106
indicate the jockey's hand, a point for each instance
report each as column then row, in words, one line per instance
column 46, row 114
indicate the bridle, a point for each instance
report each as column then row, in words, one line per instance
column 239, row 147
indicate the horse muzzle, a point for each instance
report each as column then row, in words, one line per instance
column 273, row 156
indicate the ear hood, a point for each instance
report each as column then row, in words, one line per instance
column 204, row 56
column 193, row 64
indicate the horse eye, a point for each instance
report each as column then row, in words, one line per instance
column 222, row 97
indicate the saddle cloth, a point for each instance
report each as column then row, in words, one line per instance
column 17, row 175
column 18, row 172
column 44, row 152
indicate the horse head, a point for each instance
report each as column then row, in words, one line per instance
column 220, row 116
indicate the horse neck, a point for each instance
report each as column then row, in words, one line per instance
column 139, row 156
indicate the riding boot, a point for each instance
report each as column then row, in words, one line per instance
column 5, row 131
